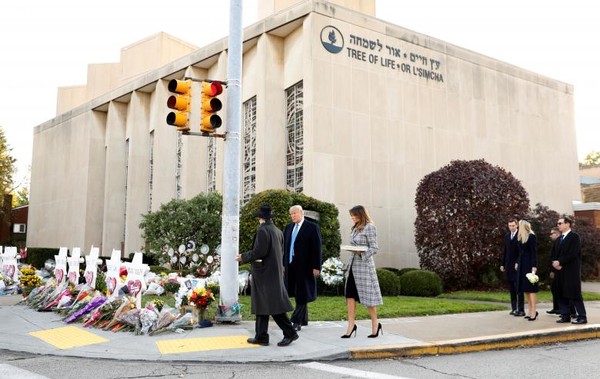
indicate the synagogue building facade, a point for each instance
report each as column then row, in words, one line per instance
column 336, row 104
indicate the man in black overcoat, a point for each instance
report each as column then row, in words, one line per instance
column 269, row 297
column 510, row 255
column 302, row 261
column 568, row 272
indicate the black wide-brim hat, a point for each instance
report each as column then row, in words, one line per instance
column 265, row 212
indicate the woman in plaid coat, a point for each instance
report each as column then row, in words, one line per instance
column 362, row 284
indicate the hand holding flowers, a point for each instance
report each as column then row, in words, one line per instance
column 532, row 277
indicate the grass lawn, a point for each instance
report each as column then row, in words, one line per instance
column 333, row 308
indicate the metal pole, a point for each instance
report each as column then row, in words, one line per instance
column 230, row 230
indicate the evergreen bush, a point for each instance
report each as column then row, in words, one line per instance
column 281, row 201
column 404, row 270
column 329, row 290
column 393, row 269
column 421, row 283
column 389, row 283
column 37, row 256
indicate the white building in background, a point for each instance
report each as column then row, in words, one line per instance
column 337, row 104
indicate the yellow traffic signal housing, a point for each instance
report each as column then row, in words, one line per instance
column 180, row 102
column 210, row 106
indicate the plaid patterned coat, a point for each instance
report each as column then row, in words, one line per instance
column 363, row 266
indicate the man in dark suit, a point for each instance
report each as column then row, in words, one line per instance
column 302, row 260
column 510, row 255
column 269, row 297
column 554, row 234
column 568, row 272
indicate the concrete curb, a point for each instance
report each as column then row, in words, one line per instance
column 468, row 345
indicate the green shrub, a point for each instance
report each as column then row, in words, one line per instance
column 406, row 269
column 245, row 267
column 281, row 201
column 421, row 283
column 392, row 269
column 329, row 290
column 176, row 223
column 388, row 282
column 101, row 282
column 37, row 256
column 491, row 277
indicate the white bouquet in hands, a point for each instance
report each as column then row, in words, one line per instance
column 532, row 277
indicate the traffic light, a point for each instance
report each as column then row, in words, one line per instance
column 209, row 120
column 180, row 102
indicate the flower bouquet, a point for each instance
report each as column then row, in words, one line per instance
column 129, row 320
column 332, row 271
column 57, row 294
column 37, row 295
column 184, row 322
column 201, row 298
column 29, row 280
column 125, row 306
column 89, row 307
column 105, row 313
column 165, row 318
column 148, row 318
column 532, row 277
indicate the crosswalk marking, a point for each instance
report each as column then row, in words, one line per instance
column 348, row 371
column 11, row 372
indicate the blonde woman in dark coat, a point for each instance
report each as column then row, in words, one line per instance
column 526, row 264
column 362, row 284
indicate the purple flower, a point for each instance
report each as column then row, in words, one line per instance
column 93, row 304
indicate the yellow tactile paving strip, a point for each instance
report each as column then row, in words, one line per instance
column 190, row 345
column 67, row 337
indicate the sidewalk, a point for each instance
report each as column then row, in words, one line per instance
column 24, row 329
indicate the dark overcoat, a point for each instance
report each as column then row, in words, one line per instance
column 269, row 296
column 299, row 278
column 527, row 260
column 569, row 255
column 510, row 255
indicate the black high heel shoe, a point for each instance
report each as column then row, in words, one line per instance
column 534, row 318
column 379, row 329
column 350, row 334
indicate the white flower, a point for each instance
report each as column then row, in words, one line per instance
column 533, row 278
column 332, row 271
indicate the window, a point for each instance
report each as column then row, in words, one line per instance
column 295, row 137
column 178, row 167
column 19, row 228
column 249, row 150
column 211, row 171
column 151, row 171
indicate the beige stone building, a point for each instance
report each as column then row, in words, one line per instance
column 337, row 104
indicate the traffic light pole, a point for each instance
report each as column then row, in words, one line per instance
column 229, row 306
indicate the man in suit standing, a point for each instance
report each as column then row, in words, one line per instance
column 554, row 234
column 269, row 297
column 568, row 272
column 302, row 261
column 510, row 255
